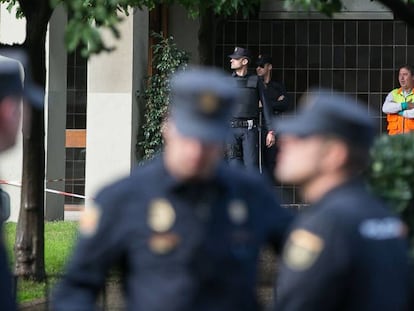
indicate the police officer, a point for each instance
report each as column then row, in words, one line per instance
column 347, row 251
column 185, row 228
column 243, row 144
column 11, row 96
column 277, row 98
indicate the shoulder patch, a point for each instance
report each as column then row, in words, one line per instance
column 89, row 220
column 382, row 228
column 302, row 249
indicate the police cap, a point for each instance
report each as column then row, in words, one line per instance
column 201, row 102
column 263, row 59
column 240, row 53
column 324, row 112
column 15, row 78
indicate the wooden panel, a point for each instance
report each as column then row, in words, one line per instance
column 75, row 139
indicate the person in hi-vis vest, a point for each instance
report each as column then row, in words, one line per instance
column 399, row 105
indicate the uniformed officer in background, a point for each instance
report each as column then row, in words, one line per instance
column 244, row 144
column 277, row 98
column 12, row 92
column 185, row 228
column 347, row 251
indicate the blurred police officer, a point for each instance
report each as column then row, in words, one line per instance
column 243, row 144
column 12, row 93
column 347, row 251
column 185, row 228
column 277, row 98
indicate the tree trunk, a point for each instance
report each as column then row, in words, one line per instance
column 29, row 247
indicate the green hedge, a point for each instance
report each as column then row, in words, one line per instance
column 391, row 175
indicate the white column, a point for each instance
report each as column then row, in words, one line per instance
column 112, row 114
column 55, row 114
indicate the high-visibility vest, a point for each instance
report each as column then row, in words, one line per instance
column 398, row 124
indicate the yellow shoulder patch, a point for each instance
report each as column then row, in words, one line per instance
column 302, row 249
column 89, row 220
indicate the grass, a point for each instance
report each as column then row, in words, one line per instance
column 59, row 240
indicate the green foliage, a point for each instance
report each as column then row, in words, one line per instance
column 89, row 17
column 391, row 175
column 11, row 4
column 167, row 59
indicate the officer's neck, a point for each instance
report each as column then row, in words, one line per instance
column 183, row 174
column 241, row 72
column 267, row 78
column 315, row 189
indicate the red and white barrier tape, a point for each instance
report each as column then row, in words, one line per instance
column 18, row 184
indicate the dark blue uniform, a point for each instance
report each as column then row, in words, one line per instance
column 273, row 91
column 347, row 252
column 243, row 142
column 181, row 245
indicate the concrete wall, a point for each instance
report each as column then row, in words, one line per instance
column 113, row 80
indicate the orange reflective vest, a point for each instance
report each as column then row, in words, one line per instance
column 398, row 124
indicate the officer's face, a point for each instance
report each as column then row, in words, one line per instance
column 299, row 159
column 237, row 63
column 187, row 157
column 264, row 69
column 10, row 113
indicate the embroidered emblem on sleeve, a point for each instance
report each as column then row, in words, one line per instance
column 382, row 228
column 302, row 249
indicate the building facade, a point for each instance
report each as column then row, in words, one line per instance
column 92, row 114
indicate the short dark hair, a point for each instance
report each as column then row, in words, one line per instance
column 408, row 67
column 358, row 159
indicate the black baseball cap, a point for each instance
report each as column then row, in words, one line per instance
column 240, row 53
column 15, row 78
column 263, row 59
column 325, row 112
column 201, row 102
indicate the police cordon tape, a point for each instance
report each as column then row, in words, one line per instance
column 18, row 184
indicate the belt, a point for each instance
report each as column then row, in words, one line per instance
column 243, row 123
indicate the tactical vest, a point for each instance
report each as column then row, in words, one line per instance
column 396, row 123
column 247, row 106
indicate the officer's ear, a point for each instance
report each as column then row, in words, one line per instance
column 270, row 66
column 336, row 154
column 245, row 61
